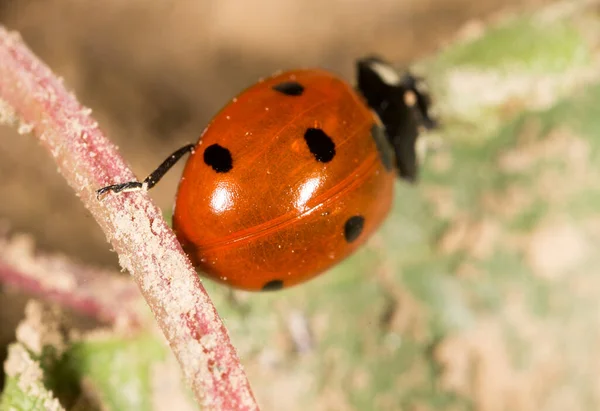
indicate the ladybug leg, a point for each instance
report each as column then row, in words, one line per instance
column 152, row 179
column 403, row 105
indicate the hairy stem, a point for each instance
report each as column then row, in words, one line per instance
column 146, row 246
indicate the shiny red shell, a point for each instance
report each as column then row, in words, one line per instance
column 286, row 181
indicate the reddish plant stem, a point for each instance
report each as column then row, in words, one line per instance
column 100, row 294
column 146, row 246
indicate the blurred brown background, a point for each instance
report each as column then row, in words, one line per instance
column 155, row 72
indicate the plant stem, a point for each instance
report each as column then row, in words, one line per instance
column 86, row 290
column 146, row 246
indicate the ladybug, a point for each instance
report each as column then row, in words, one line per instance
column 295, row 173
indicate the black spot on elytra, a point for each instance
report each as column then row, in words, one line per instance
column 353, row 227
column 320, row 144
column 289, row 88
column 384, row 148
column 219, row 158
column 273, row 285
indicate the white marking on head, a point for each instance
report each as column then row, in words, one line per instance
column 387, row 73
column 410, row 98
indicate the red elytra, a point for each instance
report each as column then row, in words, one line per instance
column 295, row 174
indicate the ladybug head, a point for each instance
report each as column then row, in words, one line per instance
column 401, row 102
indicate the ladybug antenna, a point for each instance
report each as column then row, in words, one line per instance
column 402, row 102
column 152, row 179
